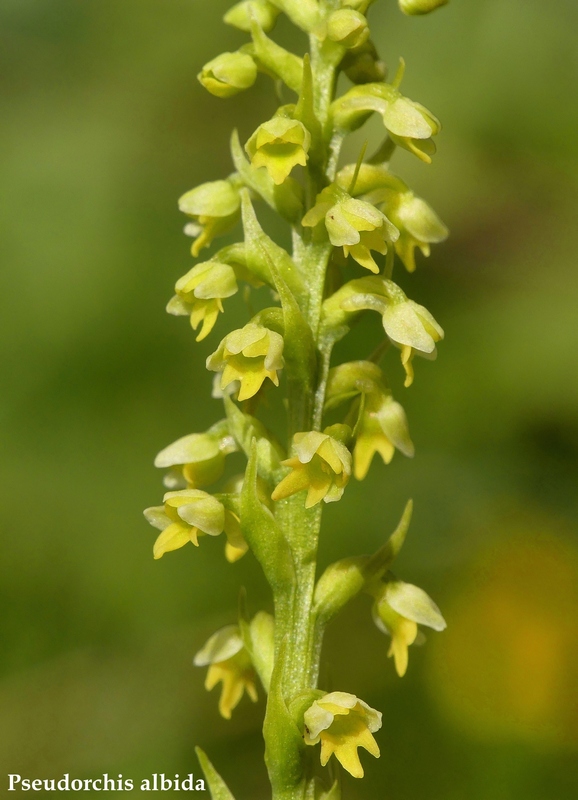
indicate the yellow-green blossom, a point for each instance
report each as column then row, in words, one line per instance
column 356, row 225
column 214, row 207
column 279, row 145
column 196, row 460
column 410, row 125
column 412, row 329
column 249, row 355
column 417, row 222
column 398, row 609
column 190, row 513
column 321, row 464
column 228, row 74
column 342, row 723
column 381, row 429
column 200, row 294
column 229, row 664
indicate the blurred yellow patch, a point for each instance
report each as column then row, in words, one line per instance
column 507, row 666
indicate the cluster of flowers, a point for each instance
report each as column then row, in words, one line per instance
column 362, row 213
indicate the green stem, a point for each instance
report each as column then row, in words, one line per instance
column 295, row 621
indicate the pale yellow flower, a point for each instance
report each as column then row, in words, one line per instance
column 249, row 355
column 322, row 465
column 190, row 513
column 342, row 723
column 229, row 663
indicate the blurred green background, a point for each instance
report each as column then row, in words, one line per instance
column 103, row 127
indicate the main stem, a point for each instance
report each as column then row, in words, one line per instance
column 296, row 624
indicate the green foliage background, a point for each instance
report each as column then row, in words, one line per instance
column 103, row 127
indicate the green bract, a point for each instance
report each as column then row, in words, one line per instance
column 313, row 285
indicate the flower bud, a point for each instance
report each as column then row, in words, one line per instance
column 418, row 7
column 340, row 582
column 229, row 663
column 242, row 15
column 399, row 608
column 322, row 465
column 347, row 380
column 249, row 355
column 363, row 65
column 214, row 207
column 279, row 145
column 342, row 723
column 228, row 74
column 199, row 294
column 348, row 28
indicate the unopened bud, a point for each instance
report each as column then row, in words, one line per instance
column 242, row 14
column 418, row 7
column 348, row 28
column 228, row 74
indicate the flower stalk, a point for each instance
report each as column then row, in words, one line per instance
column 345, row 221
